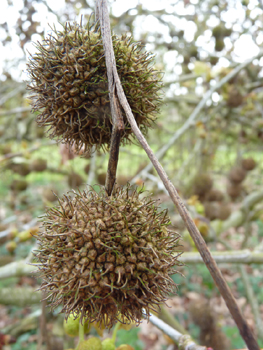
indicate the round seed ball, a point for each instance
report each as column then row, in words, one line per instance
column 69, row 86
column 107, row 258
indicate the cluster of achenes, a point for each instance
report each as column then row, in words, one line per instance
column 107, row 258
column 69, row 84
column 103, row 258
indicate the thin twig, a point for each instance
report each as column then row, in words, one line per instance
column 15, row 111
column 225, row 291
column 117, row 132
column 118, row 124
column 12, row 93
column 244, row 256
column 184, row 341
column 26, row 151
column 43, row 327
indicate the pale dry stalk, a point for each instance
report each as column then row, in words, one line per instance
column 244, row 329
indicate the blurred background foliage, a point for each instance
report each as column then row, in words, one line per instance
column 216, row 163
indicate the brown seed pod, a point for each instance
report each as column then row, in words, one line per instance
column 234, row 190
column 87, row 169
column 38, row 165
column 219, row 45
column 22, row 169
column 202, row 184
column 206, row 318
column 234, row 98
column 70, row 86
column 18, row 185
column 211, row 210
column 107, row 258
column 75, row 180
column 214, row 195
column 224, row 211
column 49, row 195
column 5, row 149
column 248, row 164
column 122, row 180
column 102, row 178
column 237, row 174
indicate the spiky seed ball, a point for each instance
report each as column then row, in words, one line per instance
column 211, row 210
column 108, row 344
column 87, row 169
column 237, row 174
column 38, row 165
column 102, row 178
column 18, row 185
column 71, row 326
column 107, row 258
column 49, row 195
column 214, row 195
column 22, row 169
column 224, row 211
column 11, row 247
column 248, row 164
column 90, row 344
column 219, row 46
column 234, row 190
column 75, row 180
column 234, row 98
column 125, row 347
column 202, row 184
column 70, row 87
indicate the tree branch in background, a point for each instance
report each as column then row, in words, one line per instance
column 245, row 331
column 184, row 341
column 252, row 301
column 228, row 257
column 22, row 268
column 189, row 122
column 29, row 150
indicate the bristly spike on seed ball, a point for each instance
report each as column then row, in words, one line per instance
column 70, row 87
column 107, row 258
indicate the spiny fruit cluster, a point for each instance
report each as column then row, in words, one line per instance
column 107, row 258
column 237, row 175
column 69, row 84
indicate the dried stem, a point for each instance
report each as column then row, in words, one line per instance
column 225, row 291
column 118, row 124
column 117, row 131
column 43, row 327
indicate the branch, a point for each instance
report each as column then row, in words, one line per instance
column 162, row 151
column 225, row 291
column 168, row 318
column 231, row 257
column 184, row 341
column 118, row 124
column 26, row 151
column 12, row 93
column 15, row 111
column 19, row 296
column 16, row 269
column 238, row 217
